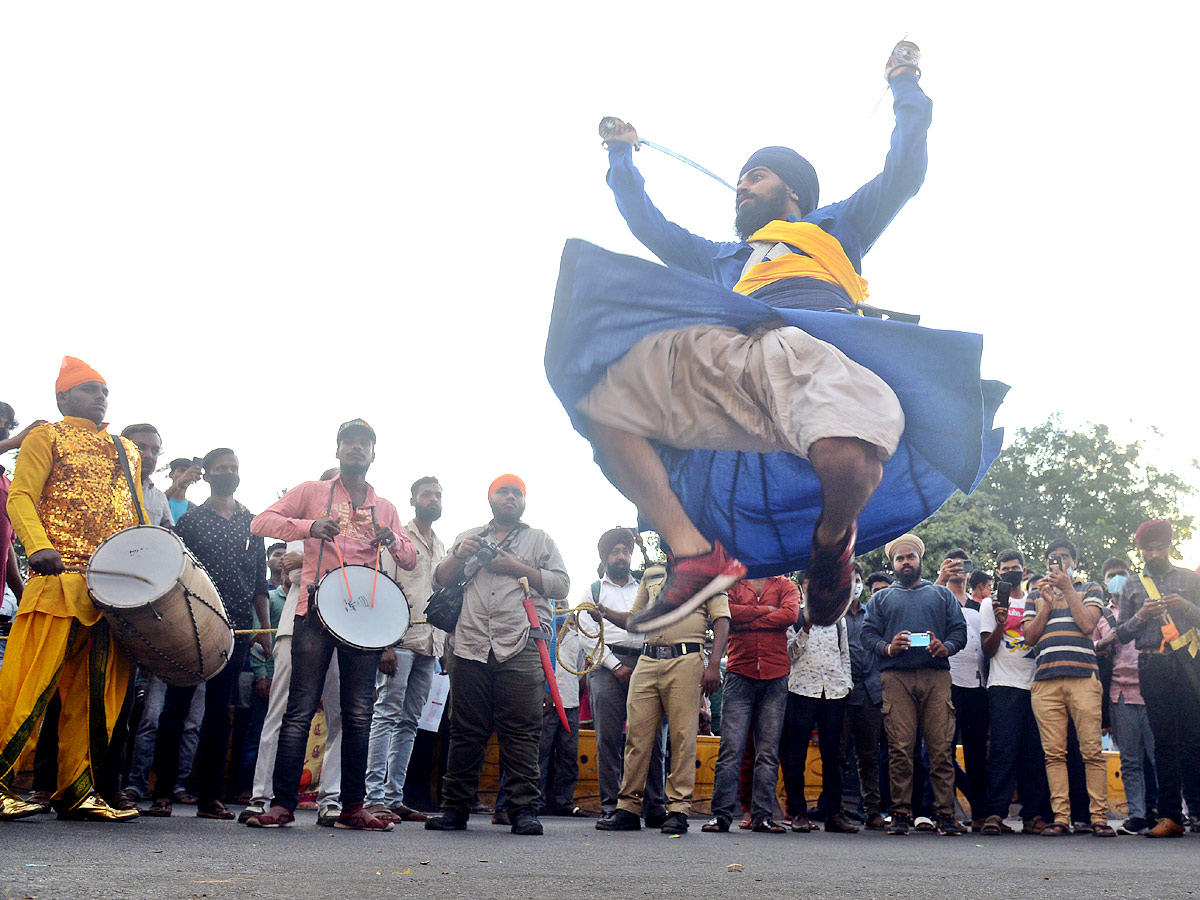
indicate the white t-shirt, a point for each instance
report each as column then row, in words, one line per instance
column 966, row 666
column 1014, row 662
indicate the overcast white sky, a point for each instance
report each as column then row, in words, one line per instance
column 258, row 220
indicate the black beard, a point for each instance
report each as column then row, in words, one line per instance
column 1158, row 566
column 618, row 571
column 908, row 577
column 425, row 514
column 757, row 213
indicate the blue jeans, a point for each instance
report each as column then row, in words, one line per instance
column 1135, row 740
column 1015, row 756
column 312, row 650
column 147, row 737
column 399, row 699
column 758, row 704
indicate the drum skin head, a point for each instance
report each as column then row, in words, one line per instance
column 146, row 550
column 353, row 620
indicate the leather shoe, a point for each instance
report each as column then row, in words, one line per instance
column 525, row 821
column 94, row 809
column 120, row 800
column 13, row 807
column 656, row 820
column 838, row 824
column 619, row 820
column 501, row 817
column 447, row 820
column 1166, row 828
column 675, row 823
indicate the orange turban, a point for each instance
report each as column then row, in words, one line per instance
column 73, row 373
column 505, row 480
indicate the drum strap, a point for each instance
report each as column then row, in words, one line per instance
column 129, row 478
column 321, row 552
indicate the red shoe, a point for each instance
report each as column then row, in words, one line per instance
column 276, row 817
column 691, row 581
column 830, row 579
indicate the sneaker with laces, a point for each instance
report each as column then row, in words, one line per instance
column 947, row 825
column 901, row 824
column 830, row 579
column 690, row 581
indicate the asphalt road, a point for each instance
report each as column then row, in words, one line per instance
column 185, row 857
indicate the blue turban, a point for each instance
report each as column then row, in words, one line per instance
column 796, row 172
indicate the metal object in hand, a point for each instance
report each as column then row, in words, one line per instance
column 373, row 616
column 611, row 125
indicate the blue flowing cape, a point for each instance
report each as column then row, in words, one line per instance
column 764, row 506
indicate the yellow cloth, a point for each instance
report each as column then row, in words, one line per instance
column 826, row 260
column 1171, row 638
column 69, row 493
column 89, row 670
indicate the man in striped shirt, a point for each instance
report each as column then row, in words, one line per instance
column 1066, row 683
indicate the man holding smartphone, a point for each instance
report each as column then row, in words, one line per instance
column 1066, row 683
column 915, row 627
column 1015, row 756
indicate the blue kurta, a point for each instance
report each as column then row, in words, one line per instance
column 763, row 507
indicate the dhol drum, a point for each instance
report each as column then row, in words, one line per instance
column 162, row 604
column 373, row 615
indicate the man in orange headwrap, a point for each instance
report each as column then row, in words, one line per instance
column 68, row 494
column 496, row 675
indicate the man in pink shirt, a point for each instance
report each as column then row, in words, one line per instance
column 345, row 511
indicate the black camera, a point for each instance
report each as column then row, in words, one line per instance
column 485, row 554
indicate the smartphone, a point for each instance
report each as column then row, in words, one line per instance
column 1054, row 562
column 966, row 566
column 197, row 461
column 918, row 639
column 1003, row 592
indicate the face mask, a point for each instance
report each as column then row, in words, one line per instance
column 225, row 484
column 1115, row 584
column 858, row 589
column 1013, row 578
column 1070, row 573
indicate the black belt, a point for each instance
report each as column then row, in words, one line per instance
column 670, row 651
column 626, row 651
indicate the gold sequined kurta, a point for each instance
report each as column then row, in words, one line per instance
column 69, row 493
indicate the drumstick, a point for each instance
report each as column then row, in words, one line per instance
column 345, row 577
column 375, row 577
column 79, row 570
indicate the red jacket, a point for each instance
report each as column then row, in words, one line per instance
column 757, row 633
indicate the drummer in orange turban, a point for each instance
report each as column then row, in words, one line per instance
column 69, row 493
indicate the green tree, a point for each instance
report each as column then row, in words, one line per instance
column 966, row 522
column 1053, row 482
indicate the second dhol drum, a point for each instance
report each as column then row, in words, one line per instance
column 162, row 604
column 372, row 615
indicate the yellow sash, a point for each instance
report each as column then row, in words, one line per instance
column 1171, row 638
column 826, row 260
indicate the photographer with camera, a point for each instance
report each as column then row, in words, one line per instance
column 915, row 627
column 496, row 675
column 1015, row 756
column 1066, row 683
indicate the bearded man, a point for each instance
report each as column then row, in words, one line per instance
column 915, row 626
column 739, row 418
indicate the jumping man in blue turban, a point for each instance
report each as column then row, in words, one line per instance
column 755, row 432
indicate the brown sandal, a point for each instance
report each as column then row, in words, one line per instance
column 1055, row 829
column 1102, row 829
column 992, row 826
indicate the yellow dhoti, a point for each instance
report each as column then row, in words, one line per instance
column 54, row 650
